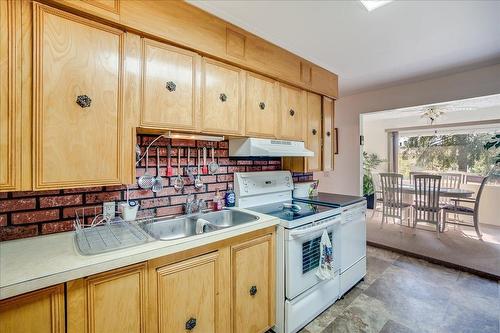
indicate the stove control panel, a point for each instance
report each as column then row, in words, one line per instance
column 258, row 183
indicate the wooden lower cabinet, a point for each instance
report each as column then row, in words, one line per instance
column 41, row 311
column 113, row 301
column 253, row 285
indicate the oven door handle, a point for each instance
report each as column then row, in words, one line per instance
column 301, row 232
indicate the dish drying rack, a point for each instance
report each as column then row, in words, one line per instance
column 103, row 234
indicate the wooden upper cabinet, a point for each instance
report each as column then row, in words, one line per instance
column 328, row 138
column 41, row 311
column 109, row 9
column 170, row 88
column 314, row 130
column 114, row 301
column 253, row 285
column 10, row 92
column 261, row 109
column 222, row 100
column 77, row 104
column 292, row 113
column 187, row 295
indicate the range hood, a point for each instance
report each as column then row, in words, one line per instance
column 253, row 147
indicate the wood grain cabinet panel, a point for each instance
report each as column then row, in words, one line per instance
column 10, row 93
column 170, row 89
column 109, row 9
column 187, row 295
column 222, row 98
column 328, row 134
column 292, row 113
column 253, row 285
column 314, row 131
column 261, row 110
column 78, row 118
column 41, row 311
column 113, row 301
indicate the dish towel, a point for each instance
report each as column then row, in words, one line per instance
column 325, row 268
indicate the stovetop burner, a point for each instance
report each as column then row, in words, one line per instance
column 290, row 210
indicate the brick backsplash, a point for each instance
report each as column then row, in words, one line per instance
column 27, row 214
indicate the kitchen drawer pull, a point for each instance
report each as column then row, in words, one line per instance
column 328, row 133
column 190, row 324
column 223, row 97
column 314, row 131
column 292, row 112
column 171, row 86
column 262, row 105
column 84, row 101
column 253, row 290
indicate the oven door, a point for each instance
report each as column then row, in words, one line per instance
column 302, row 254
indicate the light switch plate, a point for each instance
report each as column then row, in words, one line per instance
column 108, row 209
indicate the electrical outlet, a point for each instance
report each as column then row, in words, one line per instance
column 108, row 210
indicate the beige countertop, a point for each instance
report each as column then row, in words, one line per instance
column 38, row 262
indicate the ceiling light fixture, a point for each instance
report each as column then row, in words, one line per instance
column 374, row 4
column 432, row 113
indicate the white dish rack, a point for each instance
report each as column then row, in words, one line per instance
column 102, row 235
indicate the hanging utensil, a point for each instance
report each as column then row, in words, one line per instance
column 170, row 171
column 179, row 181
column 198, row 183
column 157, row 181
column 213, row 167
column 205, row 168
column 189, row 170
column 146, row 180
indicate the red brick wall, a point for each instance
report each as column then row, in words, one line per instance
column 26, row 214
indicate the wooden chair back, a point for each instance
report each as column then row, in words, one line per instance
column 426, row 206
column 451, row 180
column 392, row 194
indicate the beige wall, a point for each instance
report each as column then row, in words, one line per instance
column 346, row 177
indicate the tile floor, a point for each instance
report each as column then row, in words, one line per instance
column 404, row 294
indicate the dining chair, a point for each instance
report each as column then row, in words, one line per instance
column 426, row 206
column 458, row 209
column 392, row 198
column 451, row 180
column 377, row 199
column 414, row 173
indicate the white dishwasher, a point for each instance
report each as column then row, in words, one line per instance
column 352, row 245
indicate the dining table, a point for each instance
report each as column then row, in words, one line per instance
column 443, row 192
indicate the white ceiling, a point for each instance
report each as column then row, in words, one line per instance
column 401, row 42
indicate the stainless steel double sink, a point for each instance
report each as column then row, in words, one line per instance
column 195, row 224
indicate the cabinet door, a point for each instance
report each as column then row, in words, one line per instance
column 292, row 113
column 313, row 139
column 109, row 9
column 222, row 98
column 261, row 106
column 40, row 311
column 328, row 139
column 113, row 301
column 169, row 89
column 10, row 79
column 253, row 285
column 78, row 120
column 187, row 295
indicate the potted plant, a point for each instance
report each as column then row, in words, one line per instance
column 370, row 162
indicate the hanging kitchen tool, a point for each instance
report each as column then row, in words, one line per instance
column 213, row 167
column 189, row 170
column 205, row 168
column 198, row 183
column 170, row 171
column 146, row 180
column 179, row 181
column 157, row 181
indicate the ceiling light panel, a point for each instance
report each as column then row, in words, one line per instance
column 374, row 4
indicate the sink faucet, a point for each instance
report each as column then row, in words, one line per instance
column 194, row 206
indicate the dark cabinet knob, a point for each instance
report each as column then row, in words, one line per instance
column 171, row 86
column 223, row 97
column 84, row 101
column 314, row 131
column 253, row 290
column 262, row 105
column 190, row 324
column 292, row 112
column 328, row 133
